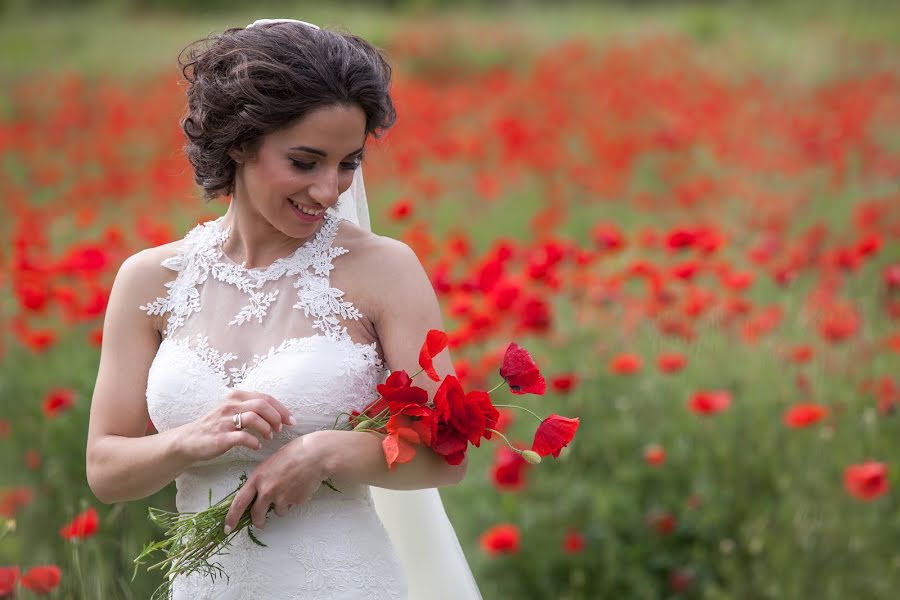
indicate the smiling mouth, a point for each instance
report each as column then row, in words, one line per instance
column 305, row 210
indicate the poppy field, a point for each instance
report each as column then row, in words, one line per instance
column 699, row 246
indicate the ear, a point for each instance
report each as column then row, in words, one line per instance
column 238, row 154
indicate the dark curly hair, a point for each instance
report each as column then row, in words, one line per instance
column 246, row 83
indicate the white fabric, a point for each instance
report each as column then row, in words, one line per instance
column 276, row 330
column 283, row 330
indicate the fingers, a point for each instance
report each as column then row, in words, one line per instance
column 240, row 503
column 252, row 421
column 281, row 415
column 243, row 438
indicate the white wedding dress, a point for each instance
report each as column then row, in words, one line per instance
column 278, row 330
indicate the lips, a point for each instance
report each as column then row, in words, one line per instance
column 302, row 215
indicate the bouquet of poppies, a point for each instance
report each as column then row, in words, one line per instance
column 454, row 418
column 408, row 419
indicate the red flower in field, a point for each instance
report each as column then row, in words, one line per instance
column 401, row 209
column 654, row 455
column 625, row 364
column 801, row 354
column 534, row 314
column 32, row 459
column 507, row 472
column 804, row 415
column 8, row 578
column 840, row 322
column 608, row 237
column 671, row 362
column 892, row 276
column 553, row 434
column 685, row 270
column 41, row 580
column 709, row 402
column 505, row 419
column 573, row 543
column 681, row 238
column 663, row 523
column 57, row 401
column 501, row 539
column 866, row 481
column 680, row 580
column 5, row 429
column 84, row 525
column 435, row 342
column 520, row 372
column 14, row 499
column 564, row 383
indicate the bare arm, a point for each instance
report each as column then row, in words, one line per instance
column 408, row 309
column 123, row 464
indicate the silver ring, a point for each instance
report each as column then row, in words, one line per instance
column 237, row 421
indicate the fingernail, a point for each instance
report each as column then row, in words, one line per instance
column 292, row 420
column 271, row 435
column 227, row 529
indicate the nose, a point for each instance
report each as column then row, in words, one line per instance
column 325, row 188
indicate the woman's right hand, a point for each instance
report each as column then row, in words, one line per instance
column 214, row 433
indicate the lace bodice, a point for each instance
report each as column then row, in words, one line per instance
column 279, row 330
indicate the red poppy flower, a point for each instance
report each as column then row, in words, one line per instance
column 462, row 418
column 709, row 402
column 866, row 481
column 671, row 362
column 608, row 237
column 8, row 578
column 521, row 373
column 804, row 415
column 801, row 354
column 412, row 427
column 564, row 383
column 14, row 499
column 435, row 342
column 573, row 543
column 84, row 525
column 625, row 364
column 41, row 580
column 553, row 434
column 57, row 401
column 892, row 276
column 663, row 523
column 501, row 539
column 507, row 472
column 680, row 579
column 401, row 209
column 654, row 455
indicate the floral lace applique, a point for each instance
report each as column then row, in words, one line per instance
column 202, row 256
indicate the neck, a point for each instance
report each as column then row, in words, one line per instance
column 253, row 240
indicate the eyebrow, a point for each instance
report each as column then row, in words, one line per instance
column 322, row 153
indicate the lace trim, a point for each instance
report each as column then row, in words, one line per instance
column 215, row 360
column 202, row 256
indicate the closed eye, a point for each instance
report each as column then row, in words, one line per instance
column 309, row 166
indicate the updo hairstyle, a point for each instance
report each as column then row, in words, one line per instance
column 246, row 83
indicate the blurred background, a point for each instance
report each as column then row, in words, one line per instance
column 689, row 213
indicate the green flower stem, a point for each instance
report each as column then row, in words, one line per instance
column 492, row 390
column 504, row 439
column 540, row 420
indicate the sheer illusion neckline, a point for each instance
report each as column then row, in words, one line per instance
column 312, row 244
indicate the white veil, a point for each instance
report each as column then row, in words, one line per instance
column 436, row 567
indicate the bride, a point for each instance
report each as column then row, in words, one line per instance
column 244, row 340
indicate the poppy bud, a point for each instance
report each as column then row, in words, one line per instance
column 367, row 424
column 531, row 456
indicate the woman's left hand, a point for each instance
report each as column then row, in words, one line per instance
column 290, row 476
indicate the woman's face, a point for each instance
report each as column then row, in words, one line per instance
column 306, row 165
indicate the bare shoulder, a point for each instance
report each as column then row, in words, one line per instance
column 142, row 277
column 377, row 255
